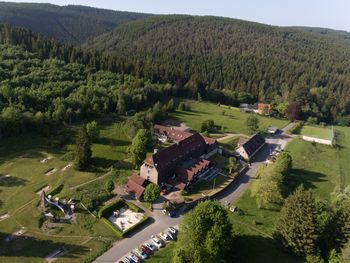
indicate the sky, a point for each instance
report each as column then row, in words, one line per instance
column 317, row 13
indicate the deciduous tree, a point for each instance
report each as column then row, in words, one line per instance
column 205, row 234
column 151, row 193
column 252, row 123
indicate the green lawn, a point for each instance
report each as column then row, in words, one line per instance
column 230, row 143
column 318, row 167
column 233, row 120
column 317, row 132
column 20, row 157
column 315, row 166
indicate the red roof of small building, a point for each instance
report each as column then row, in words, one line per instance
column 134, row 188
column 186, row 174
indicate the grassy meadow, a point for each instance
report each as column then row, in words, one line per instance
column 230, row 120
column 320, row 168
column 20, row 158
column 317, row 132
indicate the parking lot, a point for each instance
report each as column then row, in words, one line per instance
column 150, row 246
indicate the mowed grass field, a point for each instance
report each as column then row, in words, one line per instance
column 318, row 167
column 20, row 158
column 317, row 132
column 229, row 119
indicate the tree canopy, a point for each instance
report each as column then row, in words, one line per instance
column 151, row 193
column 205, row 234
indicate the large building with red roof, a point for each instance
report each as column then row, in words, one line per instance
column 181, row 163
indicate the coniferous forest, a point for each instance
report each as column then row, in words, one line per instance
column 218, row 59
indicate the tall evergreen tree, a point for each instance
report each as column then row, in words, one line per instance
column 83, row 149
column 297, row 229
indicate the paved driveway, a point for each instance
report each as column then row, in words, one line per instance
column 229, row 195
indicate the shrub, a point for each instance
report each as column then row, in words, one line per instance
column 296, row 128
column 109, row 186
column 68, row 156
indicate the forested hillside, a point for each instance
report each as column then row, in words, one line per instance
column 326, row 32
column 42, row 94
column 73, row 24
column 225, row 57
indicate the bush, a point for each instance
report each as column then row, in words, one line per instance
column 109, row 186
column 117, row 232
column 296, row 128
column 68, row 156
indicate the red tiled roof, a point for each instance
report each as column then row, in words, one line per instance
column 138, row 179
column 171, row 133
column 134, row 188
column 186, row 174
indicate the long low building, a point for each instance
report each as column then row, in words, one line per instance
column 249, row 147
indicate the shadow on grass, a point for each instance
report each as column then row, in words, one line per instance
column 113, row 142
column 12, row 181
column 303, row 177
column 30, row 247
column 253, row 248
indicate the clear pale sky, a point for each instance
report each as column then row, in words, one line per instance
column 318, row 13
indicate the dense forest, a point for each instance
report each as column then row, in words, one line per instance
column 42, row 94
column 73, row 24
column 325, row 31
column 213, row 55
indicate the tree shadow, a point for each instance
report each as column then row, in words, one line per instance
column 26, row 246
column 112, row 142
column 253, row 248
column 11, row 181
column 297, row 177
column 99, row 162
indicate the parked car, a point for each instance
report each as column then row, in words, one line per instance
column 146, row 250
column 150, row 246
column 171, row 235
column 157, row 242
column 134, row 258
column 171, row 213
column 140, row 253
column 172, row 230
column 164, row 236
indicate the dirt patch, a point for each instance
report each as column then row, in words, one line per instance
column 44, row 189
column 66, row 167
column 3, row 217
column 45, row 160
column 50, row 171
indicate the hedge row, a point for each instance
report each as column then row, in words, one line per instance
column 132, row 229
column 114, row 229
column 296, row 128
column 107, row 210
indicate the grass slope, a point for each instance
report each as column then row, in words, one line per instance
column 20, row 157
column 233, row 121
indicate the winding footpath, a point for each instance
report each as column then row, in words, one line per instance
column 226, row 196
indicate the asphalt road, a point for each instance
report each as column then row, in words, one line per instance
column 229, row 195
